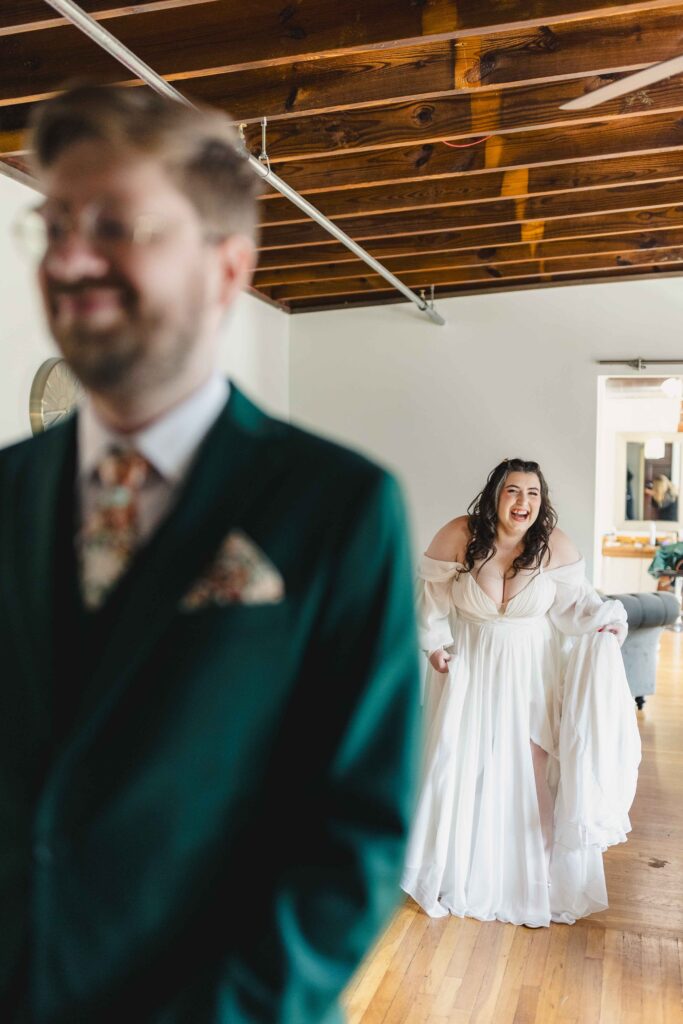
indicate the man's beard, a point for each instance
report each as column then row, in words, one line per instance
column 141, row 352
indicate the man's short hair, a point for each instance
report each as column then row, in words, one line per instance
column 198, row 146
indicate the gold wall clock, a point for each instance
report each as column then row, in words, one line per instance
column 54, row 393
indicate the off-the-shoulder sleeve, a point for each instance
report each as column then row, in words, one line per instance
column 578, row 608
column 434, row 605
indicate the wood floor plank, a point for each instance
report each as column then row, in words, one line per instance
column 386, row 991
column 436, row 970
column 632, row 979
column 672, row 993
column 653, row 1002
column 552, row 982
column 527, row 1005
column 591, row 990
column 445, row 997
column 538, row 954
column 569, row 1006
column 509, row 993
column 485, row 952
column 595, row 944
column 468, row 933
column 369, row 976
column 483, row 1011
column 612, row 974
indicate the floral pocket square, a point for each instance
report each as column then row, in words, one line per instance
column 239, row 574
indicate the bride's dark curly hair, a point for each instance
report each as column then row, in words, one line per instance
column 482, row 520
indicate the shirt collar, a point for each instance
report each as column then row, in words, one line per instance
column 169, row 443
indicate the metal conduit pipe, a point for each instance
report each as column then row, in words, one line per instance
column 100, row 35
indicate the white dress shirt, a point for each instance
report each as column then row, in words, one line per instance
column 169, row 445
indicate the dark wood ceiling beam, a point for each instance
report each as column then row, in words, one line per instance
column 586, row 226
column 463, row 17
column 611, row 245
column 548, row 280
column 546, row 53
column 441, row 17
column 466, row 275
column 469, row 17
column 453, row 118
column 551, row 52
column 483, row 187
column 223, row 38
column 529, row 213
column 603, row 47
column 35, row 15
column 327, row 83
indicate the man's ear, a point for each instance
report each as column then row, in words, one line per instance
column 236, row 263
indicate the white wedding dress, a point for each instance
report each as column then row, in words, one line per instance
column 538, row 670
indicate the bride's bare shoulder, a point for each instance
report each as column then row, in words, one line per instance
column 450, row 543
column 562, row 550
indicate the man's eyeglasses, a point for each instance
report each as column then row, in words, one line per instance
column 41, row 229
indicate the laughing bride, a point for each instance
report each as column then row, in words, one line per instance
column 531, row 745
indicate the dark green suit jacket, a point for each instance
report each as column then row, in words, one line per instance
column 202, row 815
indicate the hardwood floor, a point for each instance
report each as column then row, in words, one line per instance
column 623, row 966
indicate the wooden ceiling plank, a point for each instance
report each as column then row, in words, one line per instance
column 452, row 118
column 464, row 275
column 483, row 187
column 554, row 51
column 471, row 17
column 477, row 215
column 35, row 15
column 331, row 83
column 491, row 256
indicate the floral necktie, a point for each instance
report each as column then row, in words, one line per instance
column 111, row 535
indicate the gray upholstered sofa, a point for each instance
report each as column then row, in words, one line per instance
column 647, row 614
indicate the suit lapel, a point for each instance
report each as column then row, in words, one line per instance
column 233, row 470
column 42, row 504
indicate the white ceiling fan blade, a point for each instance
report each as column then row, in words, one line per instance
column 638, row 80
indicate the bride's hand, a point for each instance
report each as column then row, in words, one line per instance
column 439, row 660
column 618, row 628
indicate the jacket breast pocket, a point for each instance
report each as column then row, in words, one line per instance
column 235, row 621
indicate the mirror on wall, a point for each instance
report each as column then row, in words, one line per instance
column 649, row 467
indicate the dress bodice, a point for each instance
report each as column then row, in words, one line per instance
column 472, row 602
column 563, row 594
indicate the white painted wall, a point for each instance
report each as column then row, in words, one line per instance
column 509, row 375
column 24, row 341
column 255, row 342
column 255, row 353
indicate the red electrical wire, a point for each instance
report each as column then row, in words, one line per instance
column 466, row 145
